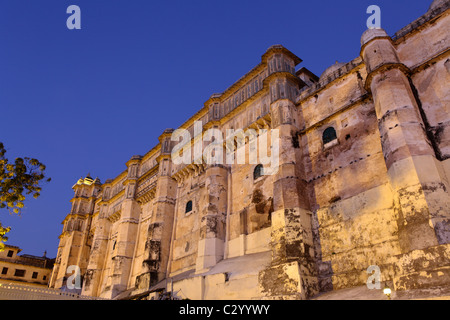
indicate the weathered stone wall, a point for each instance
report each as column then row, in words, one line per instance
column 187, row 232
column 363, row 179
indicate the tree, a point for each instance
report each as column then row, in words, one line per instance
column 18, row 179
column 3, row 238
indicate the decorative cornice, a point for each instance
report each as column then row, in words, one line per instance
column 167, row 133
column 117, row 179
column 147, row 193
column 421, row 22
column 133, row 160
column 423, row 65
column 115, row 197
column 346, row 107
column 150, row 172
column 75, row 215
column 363, row 47
column 347, row 69
column 280, row 49
column 115, row 216
column 189, row 169
column 282, row 74
column 129, row 220
column 385, row 67
column 163, row 156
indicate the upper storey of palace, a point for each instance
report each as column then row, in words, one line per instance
column 246, row 103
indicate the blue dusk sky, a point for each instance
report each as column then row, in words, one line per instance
column 85, row 101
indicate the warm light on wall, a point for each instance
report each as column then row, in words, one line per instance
column 387, row 291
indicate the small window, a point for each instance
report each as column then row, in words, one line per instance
column 10, row 253
column 188, row 207
column 258, row 172
column 329, row 135
column 34, row 276
column 4, row 270
column 44, row 278
column 19, row 273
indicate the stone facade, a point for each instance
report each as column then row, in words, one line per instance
column 24, row 269
column 362, row 179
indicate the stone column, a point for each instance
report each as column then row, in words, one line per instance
column 157, row 246
column 415, row 173
column 127, row 231
column 211, row 244
column 73, row 249
column 93, row 276
column 293, row 273
column 413, row 169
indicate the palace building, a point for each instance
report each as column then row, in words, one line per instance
column 24, row 269
column 361, row 182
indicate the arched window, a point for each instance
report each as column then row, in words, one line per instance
column 258, row 172
column 329, row 135
column 188, row 207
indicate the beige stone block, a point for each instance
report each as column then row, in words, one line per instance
column 375, row 199
column 258, row 241
column 235, row 247
column 255, row 242
column 285, row 282
column 210, row 251
column 403, row 173
column 428, row 169
column 282, row 280
column 191, row 288
column 244, row 288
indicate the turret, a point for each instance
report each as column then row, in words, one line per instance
column 73, row 249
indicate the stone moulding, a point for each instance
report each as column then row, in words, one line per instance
column 321, row 85
column 375, row 195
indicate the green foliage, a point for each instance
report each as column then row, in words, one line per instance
column 23, row 177
column 19, row 179
column 3, row 238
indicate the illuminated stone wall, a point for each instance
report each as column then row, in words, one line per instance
column 362, row 180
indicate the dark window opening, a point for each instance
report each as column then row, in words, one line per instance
column 34, row 276
column 329, row 135
column 10, row 253
column 243, row 222
column 188, row 207
column 19, row 273
column 44, row 278
column 4, row 270
column 258, row 172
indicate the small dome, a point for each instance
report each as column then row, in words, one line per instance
column 437, row 4
column 331, row 69
column 136, row 157
column 370, row 34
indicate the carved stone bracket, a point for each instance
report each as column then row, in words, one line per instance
column 190, row 169
column 147, row 193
